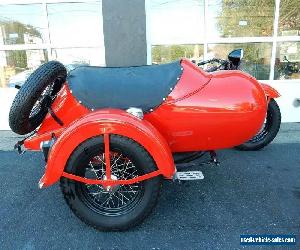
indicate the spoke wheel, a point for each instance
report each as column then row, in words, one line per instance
column 263, row 132
column 116, row 200
column 116, row 207
column 46, row 99
column 33, row 99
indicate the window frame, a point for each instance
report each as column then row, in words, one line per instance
column 47, row 45
column 274, row 39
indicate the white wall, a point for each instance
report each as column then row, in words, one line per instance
column 289, row 91
column 6, row 97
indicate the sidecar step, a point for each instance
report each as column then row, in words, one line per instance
column 189, row 176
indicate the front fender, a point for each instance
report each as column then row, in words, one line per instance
column 107, row 121
column 269, row 91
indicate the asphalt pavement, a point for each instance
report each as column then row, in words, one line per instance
column 250, row 193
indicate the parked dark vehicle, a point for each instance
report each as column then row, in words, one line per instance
column 273, row 117
column 19, row 79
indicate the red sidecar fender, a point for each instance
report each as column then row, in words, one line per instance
column 107, row 121
column 269, row 91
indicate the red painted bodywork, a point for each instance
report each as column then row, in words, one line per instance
column 226, row 109
column 111, row 121
column 270, row 92
column 203, row 112
column 67, row 108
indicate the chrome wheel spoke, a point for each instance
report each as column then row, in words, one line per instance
column 123, row 196
column 107, row 200
column 117, row 198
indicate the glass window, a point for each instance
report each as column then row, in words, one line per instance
column 287, row 64
column 76, row 56
column 77, row 24
column 22, row 24
column 238, row 18
column 256, row 60
column 17, row 65
column 176, row 21
column 169, row 53
column 289, row 20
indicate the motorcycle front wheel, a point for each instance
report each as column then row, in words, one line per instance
column 268, row 132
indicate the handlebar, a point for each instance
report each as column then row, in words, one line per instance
column 212, row 69
column 204, row 62
column 223, row 64
column 212, row 60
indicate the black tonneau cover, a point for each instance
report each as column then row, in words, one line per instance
column 141, row 86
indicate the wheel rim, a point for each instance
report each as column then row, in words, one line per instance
column 45, row 100
column 47, row 97
column 42, row 102
column 263, row 132
column 119, row 199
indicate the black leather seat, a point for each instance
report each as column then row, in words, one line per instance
column 141, row 87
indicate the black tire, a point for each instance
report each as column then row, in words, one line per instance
column 87, row 206
column 269, row 131
column 31, row 103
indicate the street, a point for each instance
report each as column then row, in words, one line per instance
column 250, row 193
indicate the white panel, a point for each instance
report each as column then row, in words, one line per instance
column 43, row 1
column 7, row 95
column 290, row 92
column 20, row 1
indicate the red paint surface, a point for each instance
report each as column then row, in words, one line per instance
column 67, row 108
column 227, row 109
column 269, row 91
column 112, row 182
column 203, row 112
column 107, row 157
column 108, row 121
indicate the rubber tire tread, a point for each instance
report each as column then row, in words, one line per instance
column 29, row 93
column 273, row 130
column 149, row 165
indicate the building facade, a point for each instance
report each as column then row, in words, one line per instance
column 135, row 32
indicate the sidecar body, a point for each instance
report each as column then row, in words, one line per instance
column 168, row 108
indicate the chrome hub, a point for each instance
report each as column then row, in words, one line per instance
column 114, row 188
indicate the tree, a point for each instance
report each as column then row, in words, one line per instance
column 244, row 18
column 15, row 27
column 238, row 18
column 289, row 16
column 17, row 58
column 169, row 53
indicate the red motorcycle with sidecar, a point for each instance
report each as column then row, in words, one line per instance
column 111, row 135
